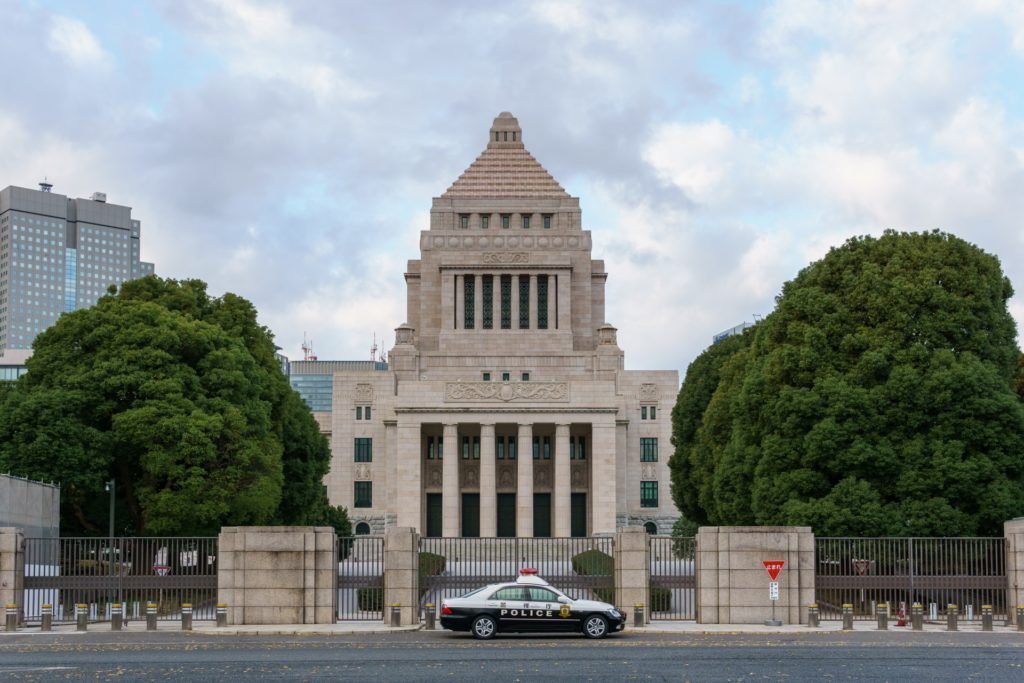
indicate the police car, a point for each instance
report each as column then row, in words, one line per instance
column 528, row 604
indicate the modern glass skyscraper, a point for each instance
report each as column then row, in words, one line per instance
column 59, row 254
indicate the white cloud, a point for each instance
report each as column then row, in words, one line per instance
column 696, row 157
column 76, row 43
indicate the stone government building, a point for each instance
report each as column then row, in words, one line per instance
column 504, row 408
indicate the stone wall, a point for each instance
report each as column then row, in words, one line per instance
column 33, row 507
column 277, row 575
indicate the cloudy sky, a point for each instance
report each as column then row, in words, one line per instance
column 288, row 151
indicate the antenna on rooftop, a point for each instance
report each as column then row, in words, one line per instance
column 307, row 348
column 373, row 349
column 45, row 186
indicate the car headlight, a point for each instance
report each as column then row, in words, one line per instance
column 615, row 613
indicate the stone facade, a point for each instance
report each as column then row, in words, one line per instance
column 505, row 408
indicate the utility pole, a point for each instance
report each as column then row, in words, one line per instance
column 110, row 541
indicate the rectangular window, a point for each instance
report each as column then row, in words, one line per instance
column 572, row 447
column 364, row 494
column 506, row 302
column 469, row 300
column 536, row 448
column 440, row 448
column 547, row 447
column 464, row 221
column 430, row 448
column 648, row 449
column 643, row 412
column 485, row 221
column 542, row 302
column 359, row 412
column 487, row 292
column 583, row 447
column 487, row 377
column 499, row 448
column 366, row 413
column 504, row 377
column 364, row 449
column 653, row 412
column 526, row 222
column 506, row 220
column 524, row 302
column 547, row 221
column 512, row 448
column 525, row 377
column 476, row 447
column 465, row 448
column 648, row 494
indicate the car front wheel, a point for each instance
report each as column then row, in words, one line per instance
column 595, row 626
column 484, row 627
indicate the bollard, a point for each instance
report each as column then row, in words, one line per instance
column 47, row 614
column 82, row 616
column 186, row 616
column 847, row 617
column 396, row 614
column 951, row 617
column 812, row 616
column 150, row 616
column 12, row 617
column 933, row 611
column 116, row 617
column 883, row 616
column 222, row 614
column 917, row 616
column 430, row 614
column 969, row 614
column 986, row 617
column 638, row 615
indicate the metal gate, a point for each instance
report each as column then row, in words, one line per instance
column 936, row 572
column 673, row 578
column 580, row 567
column 360, row 578
column 65, row 572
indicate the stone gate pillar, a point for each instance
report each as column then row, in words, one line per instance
column 12, row 568
column 401, row 572
column 1014, row 533
column 632, row 571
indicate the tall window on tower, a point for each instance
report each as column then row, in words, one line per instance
column 469, row 299
column 506, row 302
column 487, row 287
column 542, row 302
column 524, row 302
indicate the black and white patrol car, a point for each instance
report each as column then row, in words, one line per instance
column 527, row 604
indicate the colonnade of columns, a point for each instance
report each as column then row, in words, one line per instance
column 558, row 300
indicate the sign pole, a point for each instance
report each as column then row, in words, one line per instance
column 773, row 567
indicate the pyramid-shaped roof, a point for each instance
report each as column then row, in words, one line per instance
column 505, row 169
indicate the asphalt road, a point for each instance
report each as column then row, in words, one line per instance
column 443, row 656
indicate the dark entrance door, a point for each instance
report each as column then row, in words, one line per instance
column 506, row 514
column 470, row 514
column 434, row 514
column 579, row 514
column 542, row 515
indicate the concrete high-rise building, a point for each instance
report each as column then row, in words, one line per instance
column 505, row 408
column 59, row 254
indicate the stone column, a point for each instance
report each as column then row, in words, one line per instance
column 401, row 574
column 450, row 498
column 564, row 301
column 478, row 302
column 563, row 487
column 732, row 584
column 1013, row 530
column 447, row 301
column 552, row 298
column 496, row 301
column 632, row 571
column 12, row 568
column 603, row 502
column 515, row 301
column 533, row 301
column 488, row 484
column 409, row 475
column 460, row 302
column 524, row 487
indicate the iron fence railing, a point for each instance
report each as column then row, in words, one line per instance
column 935, row 572
column 360, row 578
column 64, row 572
column 673, row 578
column 580, row 567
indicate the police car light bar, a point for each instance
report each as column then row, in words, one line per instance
column 529, row 571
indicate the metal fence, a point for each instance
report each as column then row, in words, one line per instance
column 580, row 567
column 936, row 572
column 673, row 578
column 98, row 572
column 360, row 578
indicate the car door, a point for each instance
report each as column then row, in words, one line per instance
column 558, row 616
column 510, row 606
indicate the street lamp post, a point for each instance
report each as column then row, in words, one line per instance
column 110, row 542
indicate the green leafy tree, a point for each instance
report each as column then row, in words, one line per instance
column 175, row 395
column 878, row 398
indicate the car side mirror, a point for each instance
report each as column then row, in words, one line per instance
column 564, row 600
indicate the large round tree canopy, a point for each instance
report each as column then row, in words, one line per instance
column 879, row 398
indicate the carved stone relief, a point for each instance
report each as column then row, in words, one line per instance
column 577, row 477
column 363, row 472
column 506, row 391
column 648, row 392
column 505, row 477
column 469, row 477
column 363, row 393
column 435, row 476
column 540, row 477
column 505, row 257
column 648, row 472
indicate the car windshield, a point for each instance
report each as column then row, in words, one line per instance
column 474, row 592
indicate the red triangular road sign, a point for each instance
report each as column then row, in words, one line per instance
column 774, row 567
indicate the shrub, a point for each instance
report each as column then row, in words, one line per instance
column 596, row 563
column 661, row 599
